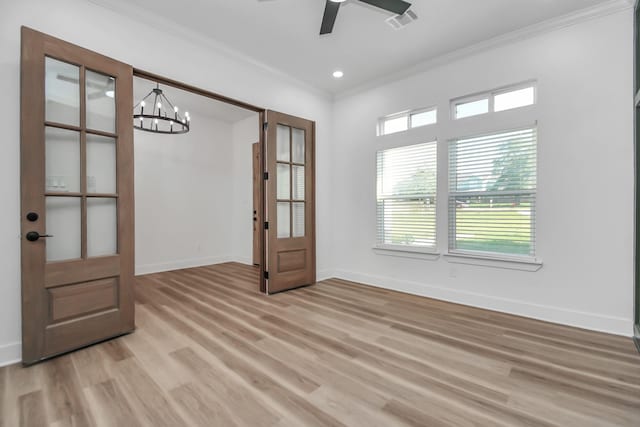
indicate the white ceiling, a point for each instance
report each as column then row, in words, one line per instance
column 283, row 34
column 193, row 103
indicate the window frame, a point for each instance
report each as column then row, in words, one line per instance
column 380, row 131
column 491, row 95
column 460, row 255
column 412, row 251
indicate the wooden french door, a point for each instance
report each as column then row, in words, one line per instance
column 77, row 197
column 289, row 202
column 257, row 200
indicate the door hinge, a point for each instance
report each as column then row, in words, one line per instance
column 266, row 275
column 265, row 126
column 266, row 175
column 266, row 225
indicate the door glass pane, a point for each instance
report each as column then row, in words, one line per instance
column 298, row 219
column 62, row 160
column 101, row 102
column 282, row 146
column 284, row 220
column 62, row 92
column 298, row 146
column 102, row 226
column 63, row 222
column 284, row 184
column 298, row 182
column 101, row 164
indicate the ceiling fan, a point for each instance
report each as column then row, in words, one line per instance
column 397, row 7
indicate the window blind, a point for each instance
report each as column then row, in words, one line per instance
column 406, row 196
column 492, row 193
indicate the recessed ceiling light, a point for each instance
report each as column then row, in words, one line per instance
column 338, row 74
column 110, row 93
column 338, row 1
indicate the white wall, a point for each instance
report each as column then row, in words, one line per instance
column 585, row 181
column 160, row 51
column 245, row 133
column 182, row 195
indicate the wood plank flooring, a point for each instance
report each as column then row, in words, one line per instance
column 209, row 350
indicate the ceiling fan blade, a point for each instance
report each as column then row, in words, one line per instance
column 329, row 18
column 396, row 6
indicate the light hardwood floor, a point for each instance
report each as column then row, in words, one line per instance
column 209, row 350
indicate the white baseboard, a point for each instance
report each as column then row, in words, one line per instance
column 180, row 264
column 580, row 319
column 324, row 275
column 10, row 353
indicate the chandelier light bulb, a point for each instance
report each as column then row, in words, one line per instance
column 159, row 105
column 175, row 109
column 155, row 121
column 142, row 104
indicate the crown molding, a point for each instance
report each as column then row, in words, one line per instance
column 159, row 23
column 600, row 10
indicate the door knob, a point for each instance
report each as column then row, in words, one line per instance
column 32, row 236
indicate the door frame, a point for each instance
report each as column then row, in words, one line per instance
column 256, row 161
column 636, row 180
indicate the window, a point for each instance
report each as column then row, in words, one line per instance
column 395, row 124
column 514, row 99
column 492, row 194
column 400, row 122
column 472, row 108
column 424, row 118
column 495, row 101
column 406, row 196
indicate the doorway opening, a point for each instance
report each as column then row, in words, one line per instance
column 197, row 194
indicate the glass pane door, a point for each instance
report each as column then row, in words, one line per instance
column 290, row 158
column 81, row 195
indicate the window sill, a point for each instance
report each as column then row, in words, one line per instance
column 523, row 264
column 406, row 252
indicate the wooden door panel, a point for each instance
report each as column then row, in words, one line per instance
column 61, row 273
column 290, row 247
column 292, row 261
column 63, row 337
column 72, row 303
column 82, row 298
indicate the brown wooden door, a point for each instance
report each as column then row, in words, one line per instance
column 290, row 202
column 257, row 197
column 77, row 187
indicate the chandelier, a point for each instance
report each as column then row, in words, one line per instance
column 164, row 117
